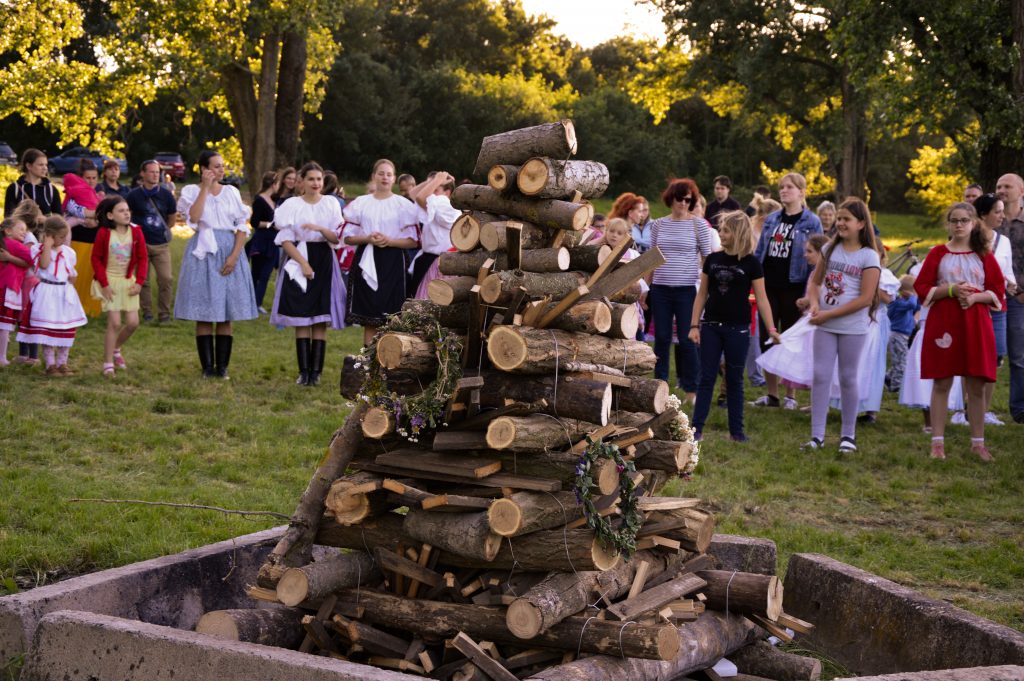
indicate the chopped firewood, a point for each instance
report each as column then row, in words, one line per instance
column 643, row 568
column 657, row 597
column 474, row 652
column 796, row 624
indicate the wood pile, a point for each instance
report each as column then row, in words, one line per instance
column 494, row 492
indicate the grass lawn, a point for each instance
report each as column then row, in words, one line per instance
column 159, row 432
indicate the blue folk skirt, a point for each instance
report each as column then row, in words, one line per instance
column 206, row 295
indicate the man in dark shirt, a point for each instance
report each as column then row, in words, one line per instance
column 723, row 203
column 154, row 209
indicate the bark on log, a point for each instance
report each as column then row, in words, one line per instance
column 591, row 316
column 588, row 258
column 279, row 627
column 492, row 235
column 645, row 395
column 536, row 260
column 549, row 178
column 454, row 316
column 500, row 286
column 537, row 351
column 663, row 455
column 702, row 644
column 557, row 140
column 641, row 420
column 627, row 295
column 536, row 433
column 349, row 508
column 526, row 512
column 763, row 659
column 450, row 291
column 317, row 580
column 443, row 620
column 695, row 535
column 625, row 321
column 384, row 531
column 401, row 382
column 406, row 352
column 464, row 534
column 746, row 593
column 546, row 213
column 560, row 549
column 468, row 228
column 295, row 546
column 569, row 397
column 503, row 177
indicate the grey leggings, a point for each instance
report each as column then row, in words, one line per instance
column 829, row 347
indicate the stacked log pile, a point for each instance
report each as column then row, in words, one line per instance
column 518, row 531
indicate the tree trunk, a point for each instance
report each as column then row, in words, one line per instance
column 351, row 508
column 625, row 321
column 503, row 177
column 588, row 258
column 646, row 394
column 557, row 140
column 853, row 166
column 535, row 260
column 453, row 316
column 547, row 178
column 467, row 231
column 278, row 627
column 763, row 659
column 560, row 549
column 464, row 534
column 571, row 398
column 642, row 420
column 448, row 291
column 500, row 286
column 536, row 433
column 526, row 512
column 239, row 92
column 746, row 593
column 377, row 423
column 546, row 213
column 318, row 580
column 538, row 351
column 492, row 236
column 291, row 88
column 591, row 316
column 265, row 114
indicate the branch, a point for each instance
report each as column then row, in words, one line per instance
column 200, row 507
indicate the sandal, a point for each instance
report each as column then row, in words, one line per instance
column 938, row 449
column 108, row 370
column 119, row 360
column 983, row 453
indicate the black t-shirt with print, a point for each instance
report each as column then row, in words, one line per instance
column 729, row 281
column 780, row 251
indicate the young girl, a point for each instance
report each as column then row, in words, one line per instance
column 726, row 279
column 843, row 295
column 119, row 255
column 54, row 311
column 961, row 281
column 309, row 287
column 15, row 258
column 382, row 225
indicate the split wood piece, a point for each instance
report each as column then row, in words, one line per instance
column 656, row 597
column 625, row 321
column 630, row 439
column 493, row 236
column 449, row 290
column 498, row 480
column 609, row 263
column 627, row 274
column 538, row 260
column 260, row 594
column 588, row 258
column 569, row 397
column 559, row 549
column 316, row 635
column 763, row 659
column 373, row 640
column 378, row 423
column 315, row 581
column 464, row 534
column 400, row 565
column 795, row 623
column 702, row 643
column 548, row 178
column 279, row 627
column 644, row 395
column 450, row 464
column 398, row 663
column 531, row 658
column 561, row 307
column 503, row 177
column 666, row 503
column 536, row 433
column 466, row 230
column 433, row 618
column 400, row 382
column 629, row 295
column 499, row 287
column 655, row 540
column 295, row 546
column 696, row 532
column 539, row 351
column 455, row 502
column 509, row 409
column 468, row 647
column 356, row 497
column 772, row 628
column 407, row 492
column 639, row 580
column 592, row 316
column 556, row 140
column 687, row 609
column 459, row 440
column 454, row 316
column 691, row 563
column 526, row 512
column 746, row 593
column 546, row 213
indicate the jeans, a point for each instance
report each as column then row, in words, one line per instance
column 1015, row 353
column 159, row 269
column 668, row 303
column 733, row 340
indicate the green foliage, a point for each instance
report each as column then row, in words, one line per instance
column 618, row 533
column 937, row 182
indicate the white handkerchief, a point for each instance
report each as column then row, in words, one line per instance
column 294, row 270
column 368, row 265
column 206, row 242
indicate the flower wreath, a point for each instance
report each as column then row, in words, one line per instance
column 415, row 413
column 622, row 539
column 680, row 431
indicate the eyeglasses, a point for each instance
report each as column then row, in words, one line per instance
column 960, row 221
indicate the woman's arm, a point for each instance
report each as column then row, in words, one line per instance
column 329, row 234
column 698, row 309
column 357, row 240
column 814, row 288
column 292, row 252
column 764, row 308
column 868, row 288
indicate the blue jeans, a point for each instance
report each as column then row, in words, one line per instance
column 668, row 303
column 733, row 340
column 1015, row 354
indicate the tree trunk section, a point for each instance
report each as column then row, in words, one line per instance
column 540, row 260
column 763, row 659
column 571, row 398
column 747, row 593
column 853, row 167
column 588, row 258
column 466, row 230
column 406, row 352
column 465, row 534
column 536, row 433
column 590, row 316
column 291, row 89
column 547, row 178
column 526, row 512
column 401, row 382
column 503, row 177
column 239, row 92
column 453, row 316
column 663, row 455
column 317, row 580
column 646, row 394
column 500, row 286
column 538, row 351
column 557, row 140
column 559, row 549
column 351, row 509
column 449, row 291
column 278, row 627
column 493, row 236
column 546, row 213
column 377, row 423
column 625, row 321
column 696, row 532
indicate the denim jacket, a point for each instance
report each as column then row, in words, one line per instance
column 806, row 225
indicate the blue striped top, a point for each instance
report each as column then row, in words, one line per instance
column 682, row 242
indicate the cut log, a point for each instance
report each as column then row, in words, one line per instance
column 538, row 260
column 547, row 213
column 503, row 177
column 656, row 597
column 696, row 532
column 377, row 423
column 526, row 512
column 557, row 140
column 493, row 236
column 659, row 423
column 663, row 455
column 400, row 382
column 406, row 352
column 702, row 644
column 465, row 232
column 745, row 592
column 588, row 258
column 499, row 287
column 464, row 534
column 645, row 395
column 498, row 480
column 454, row 316
column 536, row 433
column 625, row 321
column 763, row 659
column 591, row 316
column 559, row 549
column 568, row 397
column 355, row 498
column 553, row 179
column 450, row 290
column 315, row 581
column 436, row 619
column 279, row 627
column 539, row 351
column 627, row 274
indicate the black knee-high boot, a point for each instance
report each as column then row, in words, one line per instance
column 223, row 354
column 316, row 361
column 302, row 353
column 204, row 345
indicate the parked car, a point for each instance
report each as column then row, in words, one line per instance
column 67, row 162
column 7, row 155
column 171, row 162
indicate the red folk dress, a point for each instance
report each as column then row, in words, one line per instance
column 959, row 342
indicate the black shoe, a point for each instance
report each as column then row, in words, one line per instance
column 1018, row 418
column 147, row 316
column 867, row 417
column 204, row 345
column 223, row 353
column 722, row 400
column 316, row 361
column 302, row 353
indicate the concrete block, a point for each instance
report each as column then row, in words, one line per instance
column 81, row 646
column 873, row 626
column 1001, row 673
column 746, row 554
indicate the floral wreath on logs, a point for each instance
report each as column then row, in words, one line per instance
column 622, row 539
column 414, row 413
column 680, row 431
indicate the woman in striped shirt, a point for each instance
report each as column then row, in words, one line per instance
column 684, row 239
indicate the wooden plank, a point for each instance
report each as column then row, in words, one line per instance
column 534, row 310
column 657, row 597
column 373, row 640
column 772, row 628
column 653, row 540
column 665, row 503
column 613, row 259
column 639, row 579
column 795, row 623
column 627, row 274
column 529, row 658
column 427, row 559
column 322, row 613
column 596, row 435
column 498, row 480
column 405, row 491
column 513, row 247
column 617, row 381
column 459, row 440
column 563, row 305
column 623, row 442
column 468, row 647
column 456, row 501
column 392, row 562
column 449, row 464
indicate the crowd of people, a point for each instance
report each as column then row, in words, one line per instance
column 793, row 298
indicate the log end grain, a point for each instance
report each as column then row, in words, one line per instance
column 390, row 349
column 607, row 476
column 660, row 401
column 563, row 259
column 501, row 433
column 465, row 233
column 293, row 587
column 603, row 317
column 348, row 509
column 439, row 291
column 498, row 177
column 218, row 623
column 668, row 643
column 605, row 558
column 774, row 607
column 490, row 238
column 533, row 175
column 377, row 423
column 524, row 619
column 490, row 290
column 505, row 347
column 625, row 322
column 505, row 517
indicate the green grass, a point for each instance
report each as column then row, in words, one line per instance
column 159, row 432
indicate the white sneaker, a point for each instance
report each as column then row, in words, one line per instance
column 812, row 444
column 262, row 310
column 992, row 420
column 959, row 419
column 789, row 403
column 765, row 401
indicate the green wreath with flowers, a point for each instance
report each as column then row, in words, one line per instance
column 622, row 535
column 425, row 410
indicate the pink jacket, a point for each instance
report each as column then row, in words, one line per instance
column 81, row 192
column 12, row 276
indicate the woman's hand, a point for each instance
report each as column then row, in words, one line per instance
column 379, row 240
column 307, row 271
column 207, row 178
column 47, row 241
column 694, row 335
column 819, row 317
column 135, row 289
column 774, row 335
column 107, row 293
column 803, row 303
column 229, row 265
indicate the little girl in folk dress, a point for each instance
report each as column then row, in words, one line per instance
column 15, row 258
